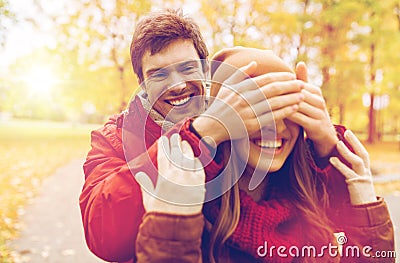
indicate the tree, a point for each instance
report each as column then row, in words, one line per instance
column 100, row 31
column 6, row 18
column 377, row 44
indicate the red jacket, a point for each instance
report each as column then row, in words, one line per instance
column 111, row 201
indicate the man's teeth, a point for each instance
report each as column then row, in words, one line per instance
column 179, row 102
column 269, row 143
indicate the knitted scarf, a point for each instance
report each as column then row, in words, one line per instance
column 154, row 115
column 262, row 222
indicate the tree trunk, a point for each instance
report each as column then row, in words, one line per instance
column 301, row 46
column 372, row 122
column 124, row 93
column 341, row 113
column 397, row 13
column 371, row 112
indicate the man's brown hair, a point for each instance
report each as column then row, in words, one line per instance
column 159, row 29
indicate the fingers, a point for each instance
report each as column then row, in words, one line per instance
column 242, row 73
column 356, row 162
column 282, row 87
column 342, row 168
column 272, row 77
column 163, row 152
column 312, row 89
column 358, row 147
column 198, row 167
column 302, row 119
column 276, row 103
column 187, row 150
column 261, row 105
column 313, row 98
column 145, row 182
column 269, row 117
column 278, row 95
column 180, row 154
column 176, row 154
column 309, row 115
column 301, row 71
column 245, row 72
column 188, row 160
column 185, row 168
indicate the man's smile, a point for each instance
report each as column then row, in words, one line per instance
column 180, row 101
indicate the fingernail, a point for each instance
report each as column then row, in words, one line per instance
column 301, row 96
column 341, row 144
column 333, row 161
column 348, row 134
column 251, row 63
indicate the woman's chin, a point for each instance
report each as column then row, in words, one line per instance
column 269, row 167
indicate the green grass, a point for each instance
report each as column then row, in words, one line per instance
column 29, row 152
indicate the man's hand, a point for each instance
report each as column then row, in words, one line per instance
column 358, row 176
column 313, row 116
column 243, row 105
column 180, row 187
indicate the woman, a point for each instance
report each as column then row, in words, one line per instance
column 280, row 209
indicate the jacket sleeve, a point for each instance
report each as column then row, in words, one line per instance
column 364, row 226
column 111, row 200
column 335, row 182
column 368, row 230
column 165, row 238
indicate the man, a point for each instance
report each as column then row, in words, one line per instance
column 166, row 46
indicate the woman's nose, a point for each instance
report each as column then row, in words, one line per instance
column 280, row 126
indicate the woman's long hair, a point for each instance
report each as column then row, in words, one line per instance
column 229, row 211
column 306, row 192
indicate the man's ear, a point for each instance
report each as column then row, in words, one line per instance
column 205, row 65
column 142, row 87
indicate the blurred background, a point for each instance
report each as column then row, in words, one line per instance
column 65, row 67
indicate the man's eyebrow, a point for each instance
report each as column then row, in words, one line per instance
column 184, row 63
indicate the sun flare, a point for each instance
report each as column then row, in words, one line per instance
column 40, row 81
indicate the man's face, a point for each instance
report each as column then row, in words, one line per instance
column 173, row 81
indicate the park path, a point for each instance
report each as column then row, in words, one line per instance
column 52, row 229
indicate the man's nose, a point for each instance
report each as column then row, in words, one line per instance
column 177, row 83
column 175, row 78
